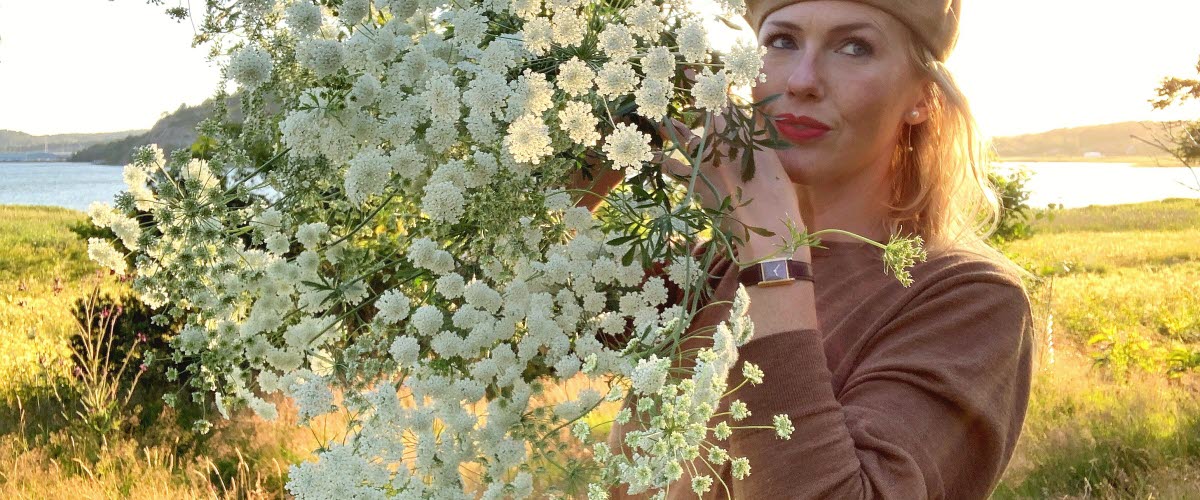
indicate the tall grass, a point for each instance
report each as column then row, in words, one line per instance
column 1105, row 419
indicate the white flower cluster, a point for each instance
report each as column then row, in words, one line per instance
column 251, row 67
column 410, row 246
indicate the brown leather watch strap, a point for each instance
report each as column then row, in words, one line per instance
column 775, row 272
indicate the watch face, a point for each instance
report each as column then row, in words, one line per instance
column 775, row 271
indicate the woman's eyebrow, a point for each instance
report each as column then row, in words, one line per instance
column 840, row 29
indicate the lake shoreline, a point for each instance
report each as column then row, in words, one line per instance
column 1136, row 161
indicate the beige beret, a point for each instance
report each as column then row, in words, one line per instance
column 934, row 22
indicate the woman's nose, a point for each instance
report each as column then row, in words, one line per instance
column 805, row 81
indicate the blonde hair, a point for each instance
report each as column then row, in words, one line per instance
column 941, row 190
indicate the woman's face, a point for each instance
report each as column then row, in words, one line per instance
column 847, row 86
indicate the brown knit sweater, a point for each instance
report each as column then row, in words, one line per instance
column 903, row 393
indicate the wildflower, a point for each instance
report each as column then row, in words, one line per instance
column 783, row 426
column 701, row 484
column 427, row 320
column 644, row 20
column 617, row 42
column 303, row 17
column 103, row 253
column 323, row 57
column 650, row 375
column 627, row 147
column 616, row 78
column 311, row 234
column 738, row 410
column 575, row 78
column 712, row 90
column 539, row 36
column 528, row 140
column 659, row 63
column 367, row 176
column 653, row 98
column 393, row 306
column 404, row 350
column 569, row 28
column 443, row 202
column 722, row 431
column 740, row 467
column 365, row 92
column 251, row 67
column 577, row 120
column 693, row 41
column 901, row 253
column 752, row 373
column 581, row 430
column 745, row 63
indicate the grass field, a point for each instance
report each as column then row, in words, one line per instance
column 1121, row 283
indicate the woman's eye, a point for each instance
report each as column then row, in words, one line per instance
column 779, row 41
column 856, row 48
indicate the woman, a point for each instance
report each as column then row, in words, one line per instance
column 894, row 392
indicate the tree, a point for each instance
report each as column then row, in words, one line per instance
column 1180, row 138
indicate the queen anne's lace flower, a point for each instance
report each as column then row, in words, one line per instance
column 539, row 36
column 627, row 147
column 443, row 202
column 745, row 63
column 251, row 67
column 393, row 306
column 304, row 17
column 644, row 20
column 650, row 375
column 103, row 253
column 653, row 98
column 352, row 12
column 569, row 28
column 528, row 139
column 577, row 120
column 712, row 90
column 368, row 174
column 616, row 78
column 693, row 41
column 617, row 42
column 323, row 57
column 575, row 78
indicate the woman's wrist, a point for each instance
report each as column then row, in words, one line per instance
column 758, row 247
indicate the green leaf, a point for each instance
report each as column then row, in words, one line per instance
column 761, row 231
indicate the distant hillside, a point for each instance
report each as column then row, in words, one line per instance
column 1110, row 140
column 174, row 131
column 14, row 142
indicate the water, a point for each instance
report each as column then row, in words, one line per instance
column 76, row 185
column 1082, row 184
column 70, row 185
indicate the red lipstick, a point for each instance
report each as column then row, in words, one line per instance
column 800, row 128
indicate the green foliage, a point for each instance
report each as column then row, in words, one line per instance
column 107, row 371
column 1016, row 216
column 1122, row 352
column 1179, row 138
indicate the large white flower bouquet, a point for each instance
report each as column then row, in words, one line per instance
column 391, row 232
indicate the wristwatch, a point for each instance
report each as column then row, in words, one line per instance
column 775, row 272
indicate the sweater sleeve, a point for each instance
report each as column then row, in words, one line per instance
column 933, row 408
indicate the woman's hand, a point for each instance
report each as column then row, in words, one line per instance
column 772, row 197
column 603, row 180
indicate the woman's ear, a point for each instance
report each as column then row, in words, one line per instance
column 919, row 112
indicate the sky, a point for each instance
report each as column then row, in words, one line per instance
column 1026, row 65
